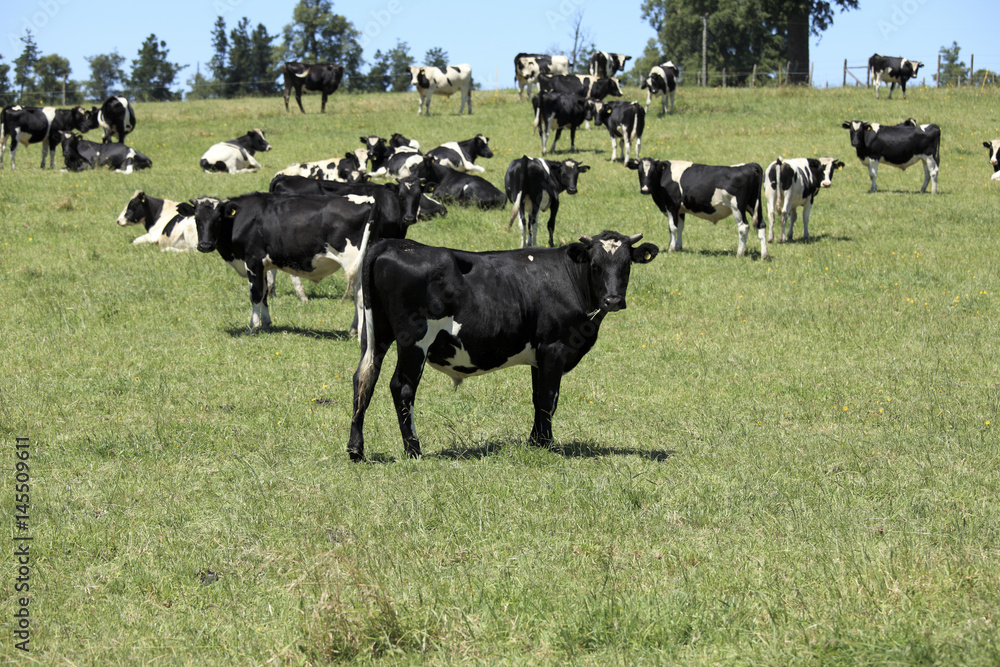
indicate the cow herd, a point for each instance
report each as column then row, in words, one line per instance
column 465, row 313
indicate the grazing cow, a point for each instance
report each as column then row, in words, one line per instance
column 562, row 110
column 321, row 77
column 581, row 85
column 536, row 183
column 116, row 117
column 460, row 187
column 389, row 162
column 527, row 67
column 461, row 155
column 892, row 71
column 789, row 184
column 625, row 122
column 662, row 80
column 899, row 146
column 165, row 225
column 603, row 64
column 348, row 169
column 236, row 156
column 31, row 125
column 709, row 192
column 994, row 148
column 431, row 81
column 80, row 154
column 468, row 313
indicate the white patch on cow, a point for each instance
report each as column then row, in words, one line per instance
column 461, row 358
column 610, row 246
column 360, row 199
column 875, row 127
column 531, row 258
column 50, row 114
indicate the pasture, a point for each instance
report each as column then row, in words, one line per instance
column 760, row 462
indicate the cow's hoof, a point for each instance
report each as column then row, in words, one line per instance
column 357, row 456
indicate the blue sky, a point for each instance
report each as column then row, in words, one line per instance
column 485, row 35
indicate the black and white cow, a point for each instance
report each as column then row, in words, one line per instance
column 322, row 77
column 348, row 169
column 899, row 146
column 707, row 191
column 461, row 155
column 535, row 184
column 994, row 149
column 165, row 225
column 80, row 154
column 397, row 203
column 662, row 80
column 116, row 117
column 580, row 84
column 603, row 64
column 467, row 313
column 32, row 125
column 460, row 187
column 794, row 183
column 562, row 110
column 431, row 81
column 892, row 70
column 397, row 140
column 236, row 156
column 527, row 67
column 625, row 122
column 389, row 162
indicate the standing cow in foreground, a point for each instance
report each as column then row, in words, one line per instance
column 431, row 81
column 321, row 77
column 900, row 146
column 994, row 148
column 789, row 184
column 468, row 313
column 707, row 191
column 892, row 71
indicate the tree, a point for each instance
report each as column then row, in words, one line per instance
column 24, row 65
column 6, row 93
column 436, row 57
column 239, row 70
column 316, row 35
column 106, row 75
column 390, row 72
column 219, row 63
column 152, row 74
column 952, row 70
column 583, row 45
column 54, row 86
column 201, row 87
column 263, row 65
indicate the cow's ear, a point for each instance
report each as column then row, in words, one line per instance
column 987, row 144
column 582, row 168
column 578, row 252
column 185, row 209
column 392, row 187
column 230, row 209
column 632, row 163
column 837, row 164
column 846, row 125
column 427, row 188
column 645, row 253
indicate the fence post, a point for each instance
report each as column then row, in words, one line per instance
column 753, row 76
column 723, row 77
column 972, row 70
column 811, row 65
column 844, row 84
column 937, row 77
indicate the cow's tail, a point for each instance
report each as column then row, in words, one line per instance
column 538, row 113
column 758, row 217
column 937, row 150
column 352, row 273
column 774, row 177
column 367, row 373
column 518, row 205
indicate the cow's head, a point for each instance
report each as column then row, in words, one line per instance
column 481, row 146
column 134, row 212
column 993, row 147
column 83, row 120
column 857, row 128
column 408, row 191
column 376, row 146
column 211, row 217
column 604, row 87
column 650, row 171
column 822, row 169
column 914, row 67
column 567, row 172
column 418, row 77
column 397, row 140
column 528, row 69
column 610, row 256
column 257, row 141
column 349, row 169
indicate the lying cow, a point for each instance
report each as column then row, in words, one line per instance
column 707, row 191
column 390, row 162
column 994, row 148
column 535, row 184
column 458, row 186
column 348, row 169
column 892, row 71
column 31, row 125
column 430, row 81
column 164, row 224
column 662, row 80
column 528, row 66
column 604, row 64
column 625, row 122
column 398, row 203
column 794, row 183
column 236, row 156
column 899, row 146
column 116, row 117
column 461, row 155
column 321, row 77
column 80, row 154
column 467, row 313
column 397, row 140
column 562, row 110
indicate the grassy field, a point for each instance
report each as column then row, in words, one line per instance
column 761, row 462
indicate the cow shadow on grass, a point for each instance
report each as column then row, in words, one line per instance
column 237, row 332
column 575, row 449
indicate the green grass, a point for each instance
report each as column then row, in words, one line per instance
column 787, row 461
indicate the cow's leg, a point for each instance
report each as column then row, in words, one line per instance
column 553, row 209
column 543, row 132
column 365, row 378
column 872, row 172
column 288, row 90
column 742, row 230
column 806, row 210
column 558, row 134
column 545, row 379
column 299, row 290
column 878, row 84
column 409, row 367
column 614, row 149
column 675, row 223
column 649, row 98
column 902, row 87
column 15, row 140
column 892, row 87
column 787, row 218
column 260, row 317
column 930, row 174
column 672, row 93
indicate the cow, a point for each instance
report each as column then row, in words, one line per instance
column 460, row 187
column 348, row 169
column 397, row 140
column 389, row 162
column 899, row 146
column 446, row 81
column 662, row 80
column 116, row 117
column 536, row 183
column 893, row 71
column 625, row 122
column 396, row 202
column 580, row 84
column 32, row 125
column 527, row 67
column 164, row 224
column 706, row 191
column 789, row 184
column 236, row 156
column 461, row 155
column 603, row 64
column 562, row 110
column 467, row 313
column 80, row 154
column 994, row 148
column 322, row 77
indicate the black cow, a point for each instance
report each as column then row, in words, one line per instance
column 899, row 146
column 457, row 186
column 893, row 71
column 116, row 117
column 603, row 64
column 468, row 313
column 391, row 162
column 527, row 67
column 536, row 183
column 32, row 125
column 321, row 77
column 625, row 122
column 580, row 84
column 461, row 155
column 707, row 191
column 994, row 148
column 662, row 80
column 562, row 110
column 80, row 154
column 398, row 203
column 789, row 184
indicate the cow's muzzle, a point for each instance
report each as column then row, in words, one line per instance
column 571, row 191
column 205, row 247
column 613, row 303
column 409, row 219
column 825, row 184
